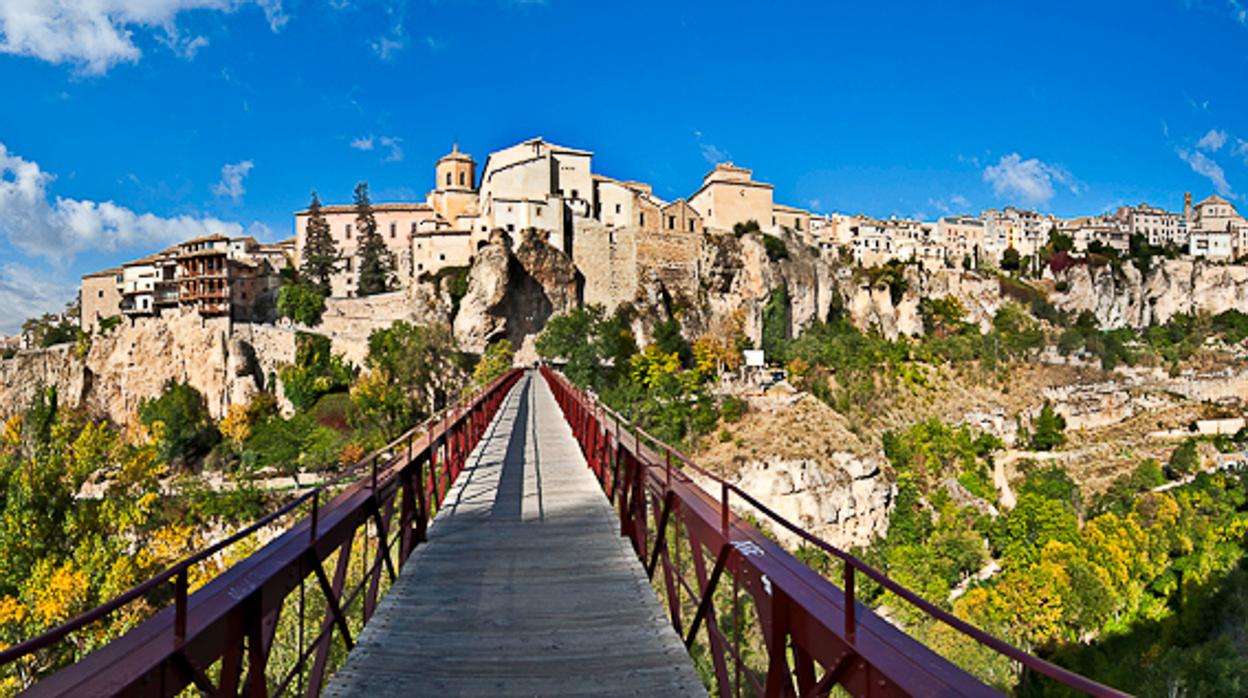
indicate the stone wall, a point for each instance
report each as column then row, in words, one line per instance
column 672, row 256
column 608, row 260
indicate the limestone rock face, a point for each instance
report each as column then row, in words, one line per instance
column 511, row 294
column 1125, row 298
column 847, row 507
column 133, row 362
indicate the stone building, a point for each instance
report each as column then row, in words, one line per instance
column 729, row 195
column 99, row 298
column 537, row 184
column 214, row 275
column 1216, row 230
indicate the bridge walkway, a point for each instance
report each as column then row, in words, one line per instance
column 525, row 587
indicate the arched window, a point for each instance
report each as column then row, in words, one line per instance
column 448, row 179
column 461, row 179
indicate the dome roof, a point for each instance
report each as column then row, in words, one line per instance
column 456, row 155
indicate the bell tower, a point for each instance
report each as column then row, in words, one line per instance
column 456, row 171
column 454, row 187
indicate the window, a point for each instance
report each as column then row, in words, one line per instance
column 420, row 267
column 773, row 220
column 617, row 208
column 347, row 228
column 441, row 258
column 413, row 227
column 708, row 213
column 101, row 294
column 797, row 223
column 692, row 225
column 461, row 179
column 575, row 195
column 511, row 227
column 671, row 222
column 348, row 264
column 538, row 212
column 448, row 179
column 643, row 220
column 392, row 229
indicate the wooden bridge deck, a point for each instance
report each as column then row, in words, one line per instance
column 525, row 587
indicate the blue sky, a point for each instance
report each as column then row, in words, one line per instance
column 124, row 130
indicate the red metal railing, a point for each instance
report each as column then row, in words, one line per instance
column 803, row 622
column 220, row 638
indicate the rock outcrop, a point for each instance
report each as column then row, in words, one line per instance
column 133, row 362
column 846, row 504
column 1120, row 296
column 511, row 294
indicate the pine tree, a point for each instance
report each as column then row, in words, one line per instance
column 320, row 255
column 376, row 262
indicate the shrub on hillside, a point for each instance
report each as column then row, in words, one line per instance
column 179, row 418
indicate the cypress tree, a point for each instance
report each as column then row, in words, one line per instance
column 376, row 262
column 320, row 255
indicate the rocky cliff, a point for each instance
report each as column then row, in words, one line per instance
column 798, row 457
column 133, row 362
column 1123, row 297
column 512, row 292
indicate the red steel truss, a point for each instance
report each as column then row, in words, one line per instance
column 813, row 635
column 219, row 639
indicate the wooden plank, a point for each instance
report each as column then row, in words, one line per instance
column 525, row 587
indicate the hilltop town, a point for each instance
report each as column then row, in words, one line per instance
column 618, row 234
column 923, row 391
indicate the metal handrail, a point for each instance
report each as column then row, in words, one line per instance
column 449, row 434
column 852, row 563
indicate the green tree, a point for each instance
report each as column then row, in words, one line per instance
column 317, row 371
column 776, row 324
column 413, row 371
column 320, row 255
column 1059, row 242
column 1011, row 260
column 775, row 248
column 180, row 420
column 1031, row 524
column 497, row 360
column 302, row 303
column 1048, row 429
column 667, row 335
column 596, row 346
column 376, row 261
column 1185, row 459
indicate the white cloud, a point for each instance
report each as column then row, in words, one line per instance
column 96, row 35
column 26, row 292
column 710, row 152
column 1030, row 181
column 274, row 14
column 954, row 204
column 59, row 228
column 435, row 44
column 232, row 176
column 1212, row 141
column 394, row 144
column 1239, row 12
column 1240, row 149
column 1206, row 167
column 387, row 47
